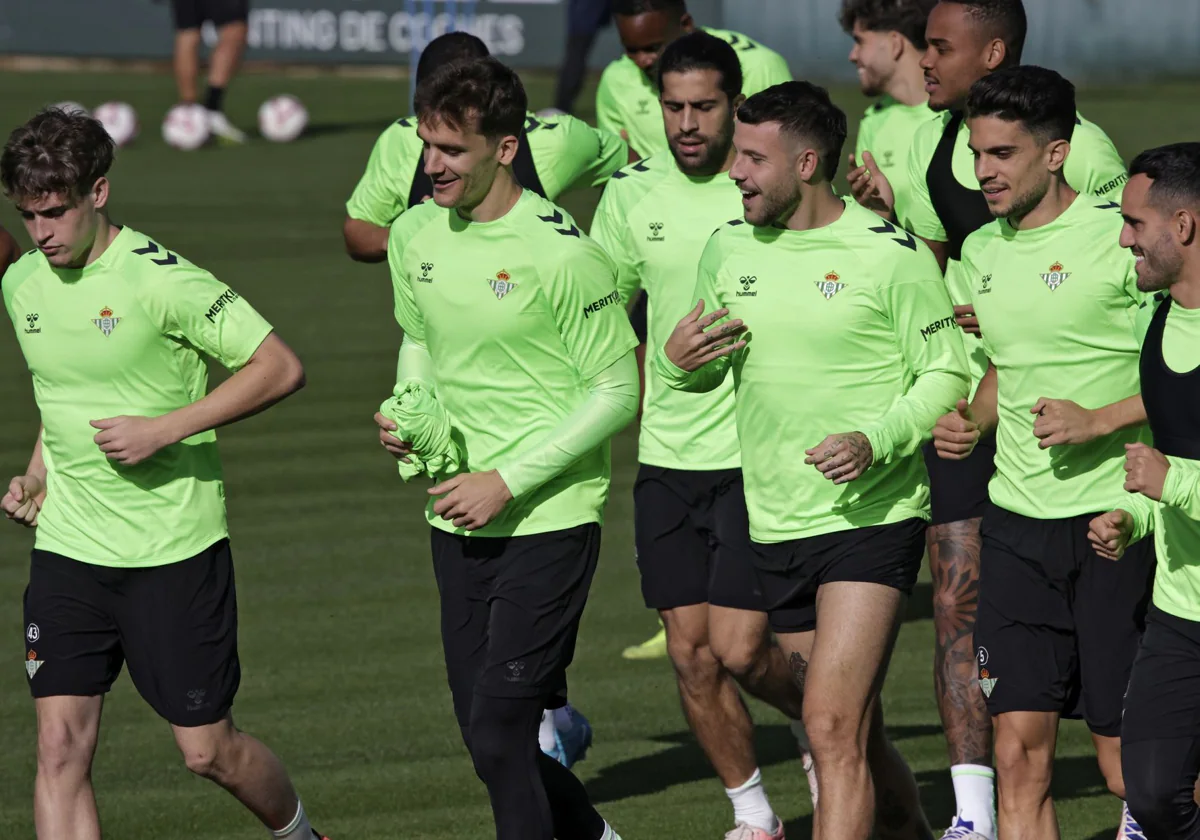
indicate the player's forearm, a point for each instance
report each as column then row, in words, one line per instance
column 610, row 406
column 1181, row 489
column 984, row 405
column 906, row 425
column 414, row 362
column 365, row 242
column 37, row 463
column 706, row 378
column 272, row 373
column 1124, row 414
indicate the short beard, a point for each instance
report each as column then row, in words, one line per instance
column 775, row 206
column 1023, row 205
column 716, row 153
column 1160, row 266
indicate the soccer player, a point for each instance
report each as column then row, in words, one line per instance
column 889, row 41
column 1160, row 727
column 131, row 561
column 554, row 155
column 231, row 19
column 1056, row 298
column 847, row 364
column 627, row 99
column 512, row 319
column 967, row 39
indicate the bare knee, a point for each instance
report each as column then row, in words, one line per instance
column 693, row 659
column 836, row 733
column 63, row 750
column 212, row 756
column 1022, row 769
column 740, row 657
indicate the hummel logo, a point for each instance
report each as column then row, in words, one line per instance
column 747, row 280
column 986, row 285
column 32, row 319
column 426, row 267
column 656, row 233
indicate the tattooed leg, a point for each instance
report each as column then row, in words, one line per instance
column 954, row 562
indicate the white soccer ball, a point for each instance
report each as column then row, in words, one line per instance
column 71, row 107
column 186, row 127
column 281, row 119
column 119, row 120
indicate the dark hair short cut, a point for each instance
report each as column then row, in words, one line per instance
column 447, row 49
column 55, row 152
column 483, row 90
column 1003, row 19
column 805, row 111
column 907, row 17
column 629, row 8
column 1039, row 99
column 1174, row 172
column 701, row 51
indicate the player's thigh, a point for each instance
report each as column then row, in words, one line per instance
column 733, row 582
column 72, row 644
column 1111, row 600
column 1163, row 697
column 179, row 628
column 464, row 569
column 958, row 489
column 537, row 602
column 673, row 552
column 856, row 631
column 1025, row 641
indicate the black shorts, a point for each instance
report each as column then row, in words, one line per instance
column 637, row 316
column 693, row 539
column 175, row 625
column 1163, row 700
column 789, row 573
column 958, row 490
column 510, row 610
column 1058, row 626
column 191, row 14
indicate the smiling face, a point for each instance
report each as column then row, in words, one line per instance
column 699, row 120
column 1014, row 168
column 1149, row 234
column 874, row 54
column 461, row 162
column 765, row 168
column 62, row 226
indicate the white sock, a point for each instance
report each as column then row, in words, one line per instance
column 546, row 732
column 563, row 719
column 609, row 834
column 974, row 793
column 297, row 829
column 750, row 805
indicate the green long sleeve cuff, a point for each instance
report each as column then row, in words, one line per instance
column 701, row 380
column 908, row 423
column 1143, row 511
column 610, row 406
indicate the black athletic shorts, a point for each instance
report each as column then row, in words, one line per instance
column 1163, row 700
column 638, row 314
column 190, row 14
column 693, row 539
column 510, row 610
column 958, row 490
column 790, row 572
column 175, row 625
column 1058, row 625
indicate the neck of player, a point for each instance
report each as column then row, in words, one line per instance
column 1186, row 290
column 106, row 232
column 818, row 208
column 1054, row 203
column 907, row 85
column 501, row 197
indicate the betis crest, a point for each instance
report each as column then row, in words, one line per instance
column 831, row 285
column 1055, row 277
column 502, row 285
column 106, row 323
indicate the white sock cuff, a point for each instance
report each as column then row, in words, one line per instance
column 972, row 770
column 294, row 824
column 754, row 781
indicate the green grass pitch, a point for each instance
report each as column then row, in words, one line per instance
column 342, row 663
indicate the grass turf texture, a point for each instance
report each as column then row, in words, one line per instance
column 343, row 674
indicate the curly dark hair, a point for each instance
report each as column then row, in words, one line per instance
column 57, row 151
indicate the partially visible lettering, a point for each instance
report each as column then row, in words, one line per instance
column 227, row 297
column 1105, row 189
column 596, row 305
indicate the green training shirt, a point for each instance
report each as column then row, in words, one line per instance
column 627, row 100
column 126, row 335
column 654, row 221
column 1176, row 519
column 517, row 315
column 567, row 153
column 1057, row 306
column 886, row 131
column 850, row 329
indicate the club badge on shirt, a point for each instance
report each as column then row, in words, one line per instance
column 106, row 323
column 502, row 285
column 1055, row 277
column 831, row 285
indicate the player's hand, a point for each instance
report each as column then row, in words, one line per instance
column 129, row 440
column 624, row 135
column 400, row 449
column 1145, row 470
column 870, row 187
column 1109, row 533
column 842, row 458
column 693, row 344
column 955, row 434
column 964, row 316
column 23, row 501
column 471, row 500
column 1062, row 422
